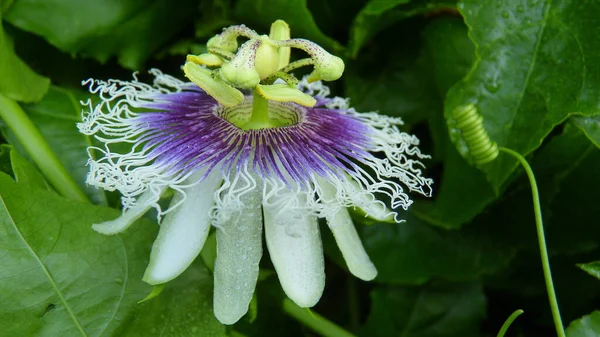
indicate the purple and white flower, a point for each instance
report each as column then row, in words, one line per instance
column 316, row 163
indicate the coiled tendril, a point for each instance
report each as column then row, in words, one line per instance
column 470, row 124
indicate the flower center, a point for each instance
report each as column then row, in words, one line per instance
column 260, row 113
column 261, row 64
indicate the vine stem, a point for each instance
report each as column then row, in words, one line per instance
column 508, row 322
column 560, row 330
column 37, row 147
column 314, row 321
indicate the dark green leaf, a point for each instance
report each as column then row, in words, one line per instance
column 260, row 14
column 433, row 310
column 590, row 126
column 449, row 50
column 184, row 308
column 592, row 268
column 60, row 278
column 215, row 15
column 414, row 252
column 5, row 164
column 570, row 165
column 462, row 191
column 378, row 15
column 56, row 117
column 334, row 17
column 586, row 326
column 536, row 63
column 393, row 80
column 131, row 29
column 134, row 40
column 562, row 167
column 182, row 48
column 18, row 81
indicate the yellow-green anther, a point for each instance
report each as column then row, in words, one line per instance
column 281, row 31
column 285, row 93
column 208, row 59
column 241, row 72
column 224, row 54
column 215, row 87
column 327, row 67
column 227, row 40
column 267, row 58
column 287, row 78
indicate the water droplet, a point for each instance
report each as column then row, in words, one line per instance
column 520, row 9
column 492, row 84
column 505, row 14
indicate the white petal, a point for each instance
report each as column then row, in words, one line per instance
column 183, row 230
column 295, row 247
column 351, row 247
column 143, row 204
column 347, row 238
column 239, row 249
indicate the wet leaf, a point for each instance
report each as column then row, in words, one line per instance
column 537, row 62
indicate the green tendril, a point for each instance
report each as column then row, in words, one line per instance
column 508, row 322
column 481, row 147
column 483, row 150
column 560, row 330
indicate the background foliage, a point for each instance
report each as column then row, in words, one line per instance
column 459, row 265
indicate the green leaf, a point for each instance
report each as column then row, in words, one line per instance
column 56, row 116
column 5, row 5
column 131, row 30
column 183, row 308
column 449, row 50
column 260, row 14
column 586, row 326
column 462, row 191
column 590, row 126
column 377, row 15
column 393, row 80
column 414, row 252
column 433, row 310
column 26, row 173
column 536, row 63
column 57, row 276
column 18, row 81
column 592, row 268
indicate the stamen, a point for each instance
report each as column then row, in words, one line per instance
column 241, row 71
column 327, row 67
column 227, row 40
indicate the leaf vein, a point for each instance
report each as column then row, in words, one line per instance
column 45, row 270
